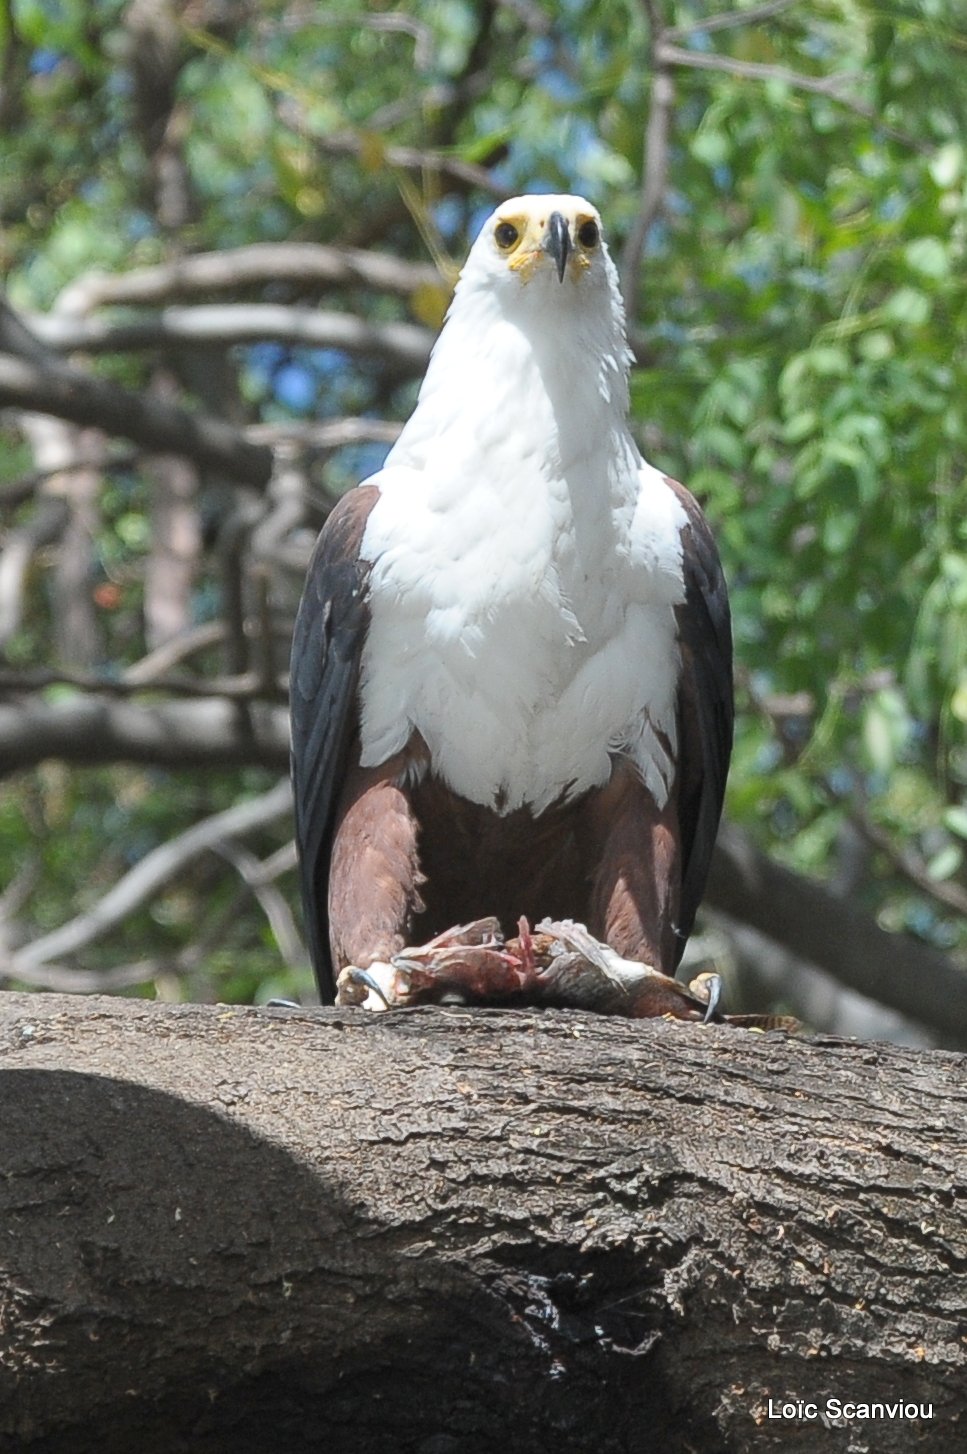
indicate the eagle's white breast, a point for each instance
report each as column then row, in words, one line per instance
column 525, row 562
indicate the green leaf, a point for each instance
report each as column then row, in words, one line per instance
column 958, row 702
column 876, row 345
column 956, row 820
column 928, row 255
column 947, row 164
column 839, row 531
column 710, row 147
column 909, row 306
column 886, row 729
column 946, row 863
column 801, row 425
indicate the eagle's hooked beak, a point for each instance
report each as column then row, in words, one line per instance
column 557, row 242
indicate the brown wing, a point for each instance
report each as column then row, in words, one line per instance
column 705, row 706
column 327, row 645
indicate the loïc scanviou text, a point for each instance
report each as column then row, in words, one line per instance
column 837, row 1408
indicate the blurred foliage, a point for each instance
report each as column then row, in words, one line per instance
column 802, row 322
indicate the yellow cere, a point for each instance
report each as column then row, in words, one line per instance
column 520, row 237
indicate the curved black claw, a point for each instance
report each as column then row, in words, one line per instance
column 363, row 976
column 282, row 1005
column 714, row 984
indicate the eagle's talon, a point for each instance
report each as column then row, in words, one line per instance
column 363, row 976
column 708, row 987
column 353, row 981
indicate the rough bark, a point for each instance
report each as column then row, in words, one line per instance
column 238, row 1229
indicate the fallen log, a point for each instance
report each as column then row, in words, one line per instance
column 439, row 1229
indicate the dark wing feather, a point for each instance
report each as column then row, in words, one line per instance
column 326, row 648
column 705, row 706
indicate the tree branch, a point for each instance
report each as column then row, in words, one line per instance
column 68, row 393
column 152, row 667
column 408, row 158
column 20, row 547
column 403, row 345
column 837, row 935
column 325, row 434
column 64, row 979
column 17, row 338
column 209, row 733
column 14, row 70
column 243, row 687
column 305, row 264
column 829, row 86
column 730, row 19
column 274, row 905
column 14, row 493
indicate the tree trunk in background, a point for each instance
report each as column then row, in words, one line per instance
column 172, row 563
column 230, row 1229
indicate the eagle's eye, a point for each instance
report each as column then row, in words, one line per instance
column 588, row 233
column 505, row 235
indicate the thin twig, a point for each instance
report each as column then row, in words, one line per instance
column 155, row 870
column 272, row 903
column 828, row 86
column 179, row 648
column 730, row 19
column 22, row 544
column 264, row 662
column 908, row 863
column 407, row 158
column 20, row 887
column 283, row 860
column 233, row 539
column 672, row 55
column 16, row 492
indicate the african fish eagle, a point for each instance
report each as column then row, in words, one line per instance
column 511, row 672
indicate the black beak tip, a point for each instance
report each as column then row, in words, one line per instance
column 558, row 242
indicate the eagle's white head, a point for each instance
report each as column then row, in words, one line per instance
column 538, row 288
column 554, row 236
column 549, row 245
column 534, row 345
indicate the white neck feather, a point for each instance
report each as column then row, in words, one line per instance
column 525, row 562
column 547, row 367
